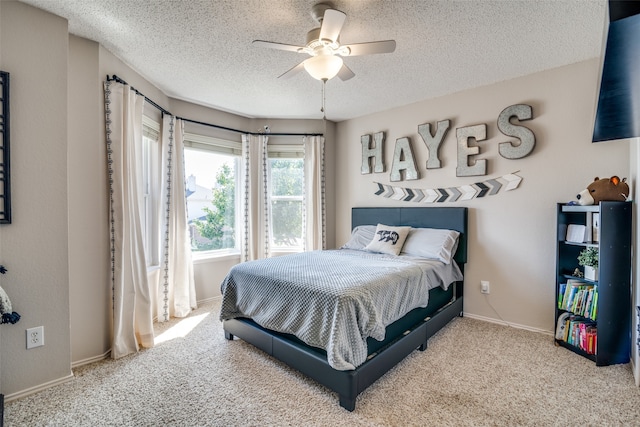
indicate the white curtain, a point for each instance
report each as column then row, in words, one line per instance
column 132, row 305
column 176, row 292
column 256, row 209
column 315, row 238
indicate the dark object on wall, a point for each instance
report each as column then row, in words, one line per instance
column 620, row 9
column 618, row 112
column 5, row 187
column 1, row 410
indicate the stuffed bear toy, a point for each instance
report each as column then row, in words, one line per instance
column 604, row 189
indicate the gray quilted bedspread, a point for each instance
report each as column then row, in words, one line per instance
column 332, row 299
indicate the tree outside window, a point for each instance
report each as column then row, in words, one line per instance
column 217, row 230
column 211, row 199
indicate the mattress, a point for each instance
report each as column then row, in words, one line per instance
column 334, row 300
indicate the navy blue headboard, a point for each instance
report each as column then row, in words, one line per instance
column 451, row 218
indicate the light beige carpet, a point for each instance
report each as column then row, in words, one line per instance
column 473, row 374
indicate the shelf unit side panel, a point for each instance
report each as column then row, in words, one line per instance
column 614, row 284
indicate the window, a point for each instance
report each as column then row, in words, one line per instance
column 150, row 191
column 212, row 169
column 286, row 197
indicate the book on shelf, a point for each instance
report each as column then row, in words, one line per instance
column 595, row 227
column 560, row 327
column 575, row 233
column 579, row 298
column 592, row 227
column 562, row 288
column 593, row 310
column 578, row 332
column 587, row 233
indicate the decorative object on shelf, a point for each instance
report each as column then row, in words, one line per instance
column 588, row 258
column 5, row 187
column 576, row 233
column 6, row 310
column 605, row 189
column 577, row 273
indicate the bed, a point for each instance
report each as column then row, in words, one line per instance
column 409, row 332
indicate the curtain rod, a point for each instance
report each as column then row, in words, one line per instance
column 163, row 111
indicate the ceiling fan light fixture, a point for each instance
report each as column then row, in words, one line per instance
column 324, row 48
column 323, row 67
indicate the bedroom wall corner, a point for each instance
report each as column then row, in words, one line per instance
column 331, row 170
column 89, row 285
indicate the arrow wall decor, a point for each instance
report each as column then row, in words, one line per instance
column 477, row 190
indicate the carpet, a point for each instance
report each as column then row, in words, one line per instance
column 473, row 373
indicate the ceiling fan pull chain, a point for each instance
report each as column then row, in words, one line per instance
column 324, row 114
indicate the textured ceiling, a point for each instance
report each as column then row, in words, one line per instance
column 201, row 51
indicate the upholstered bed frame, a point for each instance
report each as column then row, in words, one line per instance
column 402, row 337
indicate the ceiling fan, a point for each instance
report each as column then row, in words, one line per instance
column 323, row 45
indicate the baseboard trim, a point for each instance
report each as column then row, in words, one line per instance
column 636, row 374
column 502, row 322
column 39, row 387
column 209, row 300
column 89, row 360
column 105, row 355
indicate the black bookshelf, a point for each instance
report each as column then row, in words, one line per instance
column 613, row 281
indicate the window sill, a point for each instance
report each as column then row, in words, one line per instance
column 285, row 251
column 222, row 255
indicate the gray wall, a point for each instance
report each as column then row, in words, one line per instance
column 35, row 247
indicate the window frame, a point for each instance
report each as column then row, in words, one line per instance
column 283, row 152
column 198, row 142
column 151, row 192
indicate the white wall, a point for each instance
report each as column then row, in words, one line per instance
column 34, row 47
column 512, row 234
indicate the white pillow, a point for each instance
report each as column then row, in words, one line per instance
column 431, row 243
column 361, row 236
column 388, row 240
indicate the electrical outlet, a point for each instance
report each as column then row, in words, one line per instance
column 484, row 286
column 35, row 337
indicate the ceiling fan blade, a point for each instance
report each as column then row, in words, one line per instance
column 292, row 71
column 279, row 46
column 332, row 24
column 345, row 73
column 385, row 46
